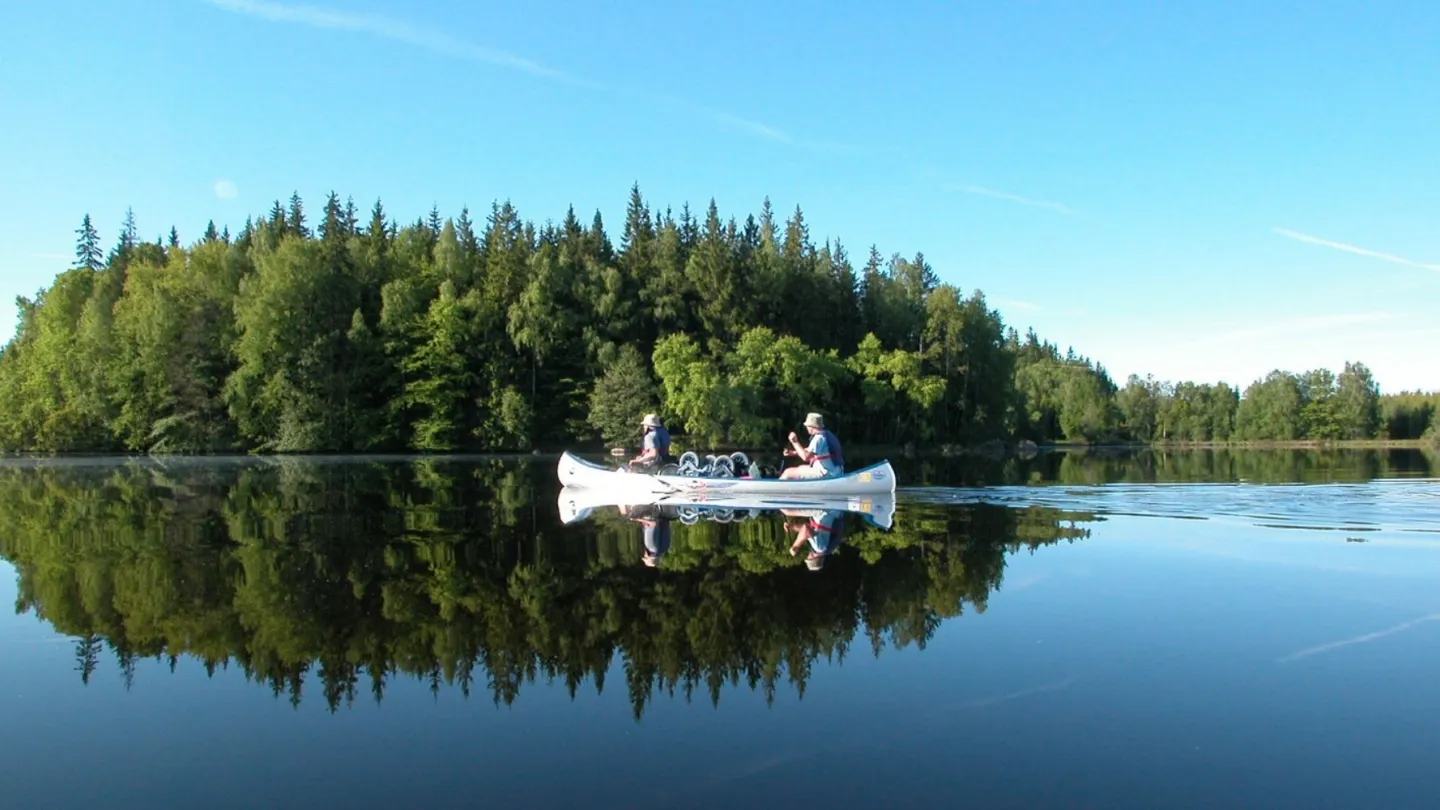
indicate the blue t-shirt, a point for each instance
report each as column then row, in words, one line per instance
column 658, row 439
column 826, row 451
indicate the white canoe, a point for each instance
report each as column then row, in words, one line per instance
column 876, row 479
column 579, row 503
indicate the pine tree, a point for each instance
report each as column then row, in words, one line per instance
column 380, row 232
column 296, row 219
column 469, row 241
column 603, row 249
column 872, row 294
column 175, row 237
column 128, row 241
column 210, row 234
column 277, row 218
column 767, row 224
column 246, row 235
column 350, row 217
column 332, row 227
column 638, row 227
column 87, row 248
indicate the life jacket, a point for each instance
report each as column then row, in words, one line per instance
column 836, row 454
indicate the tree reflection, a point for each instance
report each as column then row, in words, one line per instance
column 341, row 577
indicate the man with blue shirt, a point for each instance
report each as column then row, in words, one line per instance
column 822, row 458
column 656, row 450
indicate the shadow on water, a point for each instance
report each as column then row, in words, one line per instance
column 343, row 575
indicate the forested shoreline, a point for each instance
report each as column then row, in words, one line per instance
column 358, row 334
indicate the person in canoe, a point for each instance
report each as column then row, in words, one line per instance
column 821, row 458
column 656, row 448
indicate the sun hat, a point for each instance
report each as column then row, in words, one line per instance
column 650, row 420
column 814, row 420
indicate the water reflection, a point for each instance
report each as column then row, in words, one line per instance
column 342, row 576
column 1096, row 466
column 816, row 522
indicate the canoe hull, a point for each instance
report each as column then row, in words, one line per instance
column 876, row 479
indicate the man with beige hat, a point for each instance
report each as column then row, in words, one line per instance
column 656, row 449
column 822, row 458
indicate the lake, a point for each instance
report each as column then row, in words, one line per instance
column 1098, row 629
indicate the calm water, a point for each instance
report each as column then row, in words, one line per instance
column 1098, row 630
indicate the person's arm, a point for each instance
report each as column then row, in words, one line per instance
column 797, row 450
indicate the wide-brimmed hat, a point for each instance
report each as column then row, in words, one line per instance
column 814, row 420
column 650, row 420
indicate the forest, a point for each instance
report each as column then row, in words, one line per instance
column 341, row 332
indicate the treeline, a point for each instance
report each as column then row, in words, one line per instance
column 1317, row 405
column 337, row 580
column 358, row 334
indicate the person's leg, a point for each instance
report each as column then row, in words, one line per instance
column 802, row 471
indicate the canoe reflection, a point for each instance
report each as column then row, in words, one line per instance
column 816, row 523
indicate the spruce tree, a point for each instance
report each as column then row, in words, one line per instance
column 87, row 248
column 297, row 216
column 277, row 218
column 332, row 225
column 128, row 241
column 350, row 217
column 379, row 234
column 469, row 241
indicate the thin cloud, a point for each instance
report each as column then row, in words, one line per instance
column 1291, row 327
column 764, row 130
column 389, row 28
column 747, row 125
column 1359, row 251
column 1016, row 303
column 1005, row 195
column 443, row 43
column 226, row 190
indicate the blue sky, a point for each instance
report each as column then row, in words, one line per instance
column 1196, row 190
